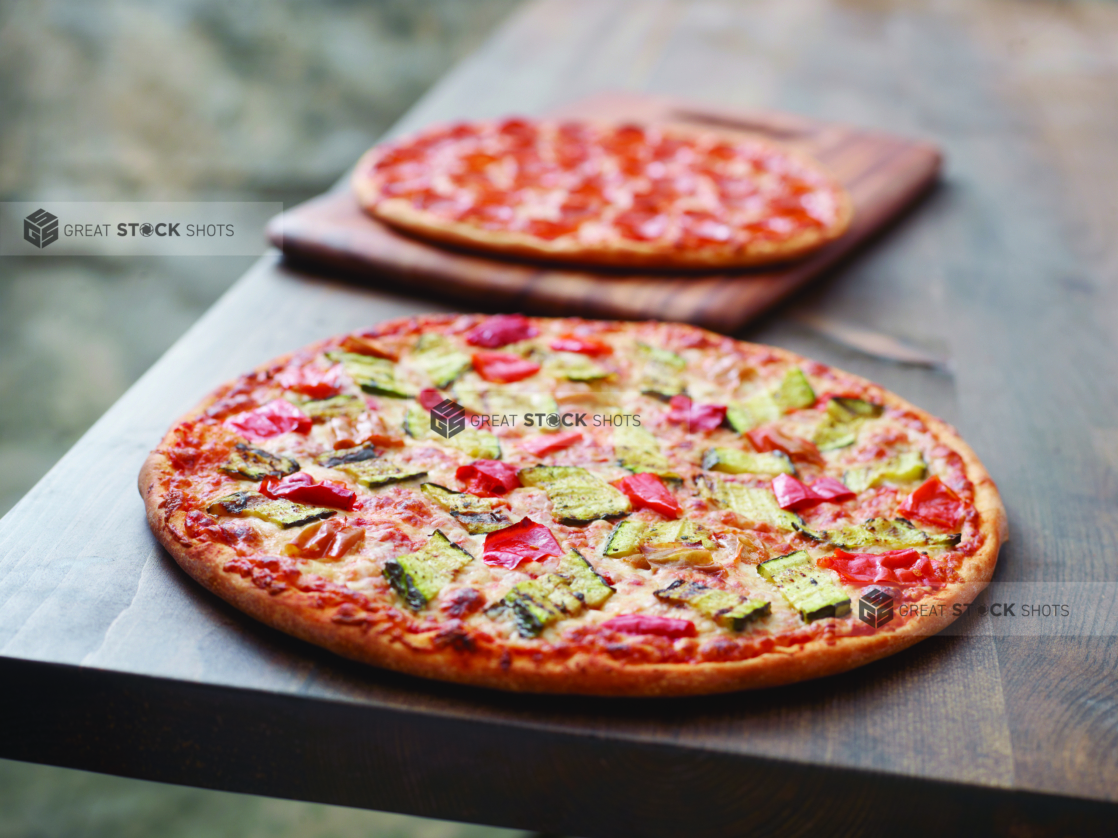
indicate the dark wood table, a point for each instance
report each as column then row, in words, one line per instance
column 111, row 659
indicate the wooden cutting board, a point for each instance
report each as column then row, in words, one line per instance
column 884, row 174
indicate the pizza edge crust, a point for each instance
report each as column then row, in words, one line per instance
column 295, row 612
column 623, row 253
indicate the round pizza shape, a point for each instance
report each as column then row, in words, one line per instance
column 613, row 195
column 562, row 505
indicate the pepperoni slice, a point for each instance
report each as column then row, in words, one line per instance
column 642, row 226
column 515, row 127
column 491, row 216
column 706, row 228
column 479, row 162
column 550, row 230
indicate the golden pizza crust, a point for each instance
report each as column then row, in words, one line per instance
column 519, row 669
column 617, row 252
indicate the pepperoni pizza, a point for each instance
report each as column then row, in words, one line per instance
column 615, row 195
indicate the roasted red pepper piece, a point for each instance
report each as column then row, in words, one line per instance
column 330, row 539
column 429, row 397
column 647, row 624
column 647, row 491
column 550, row 443
column 501, row 330
column 830, row 489
column 770, row 439
column 934, row 503
column 275, row 418
column 523, row 541
column 679, row 410
column 311, row 381
column 313, row 541
column 503, row 367
column 583, row 346
column 895, row 567
column 695, row 417
column 792, row 494
column 487, row 478
column 345, row 541
column 302, row 488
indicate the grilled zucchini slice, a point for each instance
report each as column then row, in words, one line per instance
column 343, row 405
column 755, row 411
column 680, row 530
column 805, row 587
column 479, row 445
column 892, row 535
column 758, row 506
column 537, row 603
column 858, row 407
column 904, row 468
column 370, row 473
column 256, row 464
column 628, row 536
column 583, row 580
column 443, row 362
column 418, row 577
column 477, row 515
column 278, row 511
column 736, row 461
column 577, row 496
column 663, row 372
column 538, row 406
column 794, row 392
column 639, row 451
column 625, row 540
column 373, row 375
column 726, row 608
column 417, row 422
column 357, row 454
column 842, row 422
column 575, row 367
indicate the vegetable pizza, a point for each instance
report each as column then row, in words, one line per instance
column 562, row 505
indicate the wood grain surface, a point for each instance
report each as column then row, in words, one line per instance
column 883, row 173
column 1000, row 290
